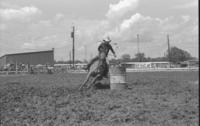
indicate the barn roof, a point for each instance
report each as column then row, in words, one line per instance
column 26, row 53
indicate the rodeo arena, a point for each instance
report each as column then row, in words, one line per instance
column 42, row 62
column 37, row 90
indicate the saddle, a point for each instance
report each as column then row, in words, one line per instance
column 102, row 68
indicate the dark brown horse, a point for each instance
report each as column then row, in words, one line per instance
column 97, row 71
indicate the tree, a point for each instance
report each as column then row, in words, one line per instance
column 140, row 57
column 126, row 57
column 178, row 55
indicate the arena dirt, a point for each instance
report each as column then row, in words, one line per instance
column 167, row 99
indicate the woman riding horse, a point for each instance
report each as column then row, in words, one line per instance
column 103, row 49
column 100, row 68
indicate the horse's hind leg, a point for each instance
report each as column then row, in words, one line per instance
column 86, row 80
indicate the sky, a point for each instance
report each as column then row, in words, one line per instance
column 36, row 25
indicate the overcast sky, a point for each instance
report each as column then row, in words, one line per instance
column 34, row 25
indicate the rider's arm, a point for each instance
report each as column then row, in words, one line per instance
column 111, row 49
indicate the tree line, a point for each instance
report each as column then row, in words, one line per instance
column 174, row 55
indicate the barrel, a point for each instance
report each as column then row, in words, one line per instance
column 117, row 77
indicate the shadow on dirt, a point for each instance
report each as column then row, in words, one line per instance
column 101, row 86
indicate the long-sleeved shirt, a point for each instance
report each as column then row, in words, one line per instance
column 105, row 47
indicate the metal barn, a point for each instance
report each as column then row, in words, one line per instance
column 31, row 58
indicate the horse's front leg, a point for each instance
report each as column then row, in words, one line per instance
column 93, row 81
column 86, row 80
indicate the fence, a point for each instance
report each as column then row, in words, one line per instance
column 13, row 72
column 162, row 69
column 43, row 70
column 33, row 70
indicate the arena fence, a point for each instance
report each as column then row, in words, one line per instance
column 13, row 72
column 45, row 71
column 162, row 69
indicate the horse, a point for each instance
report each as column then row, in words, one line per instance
column 97, row 71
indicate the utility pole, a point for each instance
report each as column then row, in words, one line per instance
column 138, row 46
column 70, row 59
column 73, row 48
column 138, row 40
column 85, row 52
column 169, row 51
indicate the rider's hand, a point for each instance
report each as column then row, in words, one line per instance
column 115, row 55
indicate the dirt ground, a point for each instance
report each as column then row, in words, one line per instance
column 152, row 99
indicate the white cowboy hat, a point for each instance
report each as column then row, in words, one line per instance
column 107, row 39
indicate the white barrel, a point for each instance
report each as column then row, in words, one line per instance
column 117, row 77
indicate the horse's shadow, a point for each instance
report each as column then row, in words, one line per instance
column 100, row 85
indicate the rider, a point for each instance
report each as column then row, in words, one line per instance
column 103, row 47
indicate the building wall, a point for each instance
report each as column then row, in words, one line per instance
column 33, row 58
column 2, row 61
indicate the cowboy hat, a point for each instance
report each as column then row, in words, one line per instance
column 107, row 39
